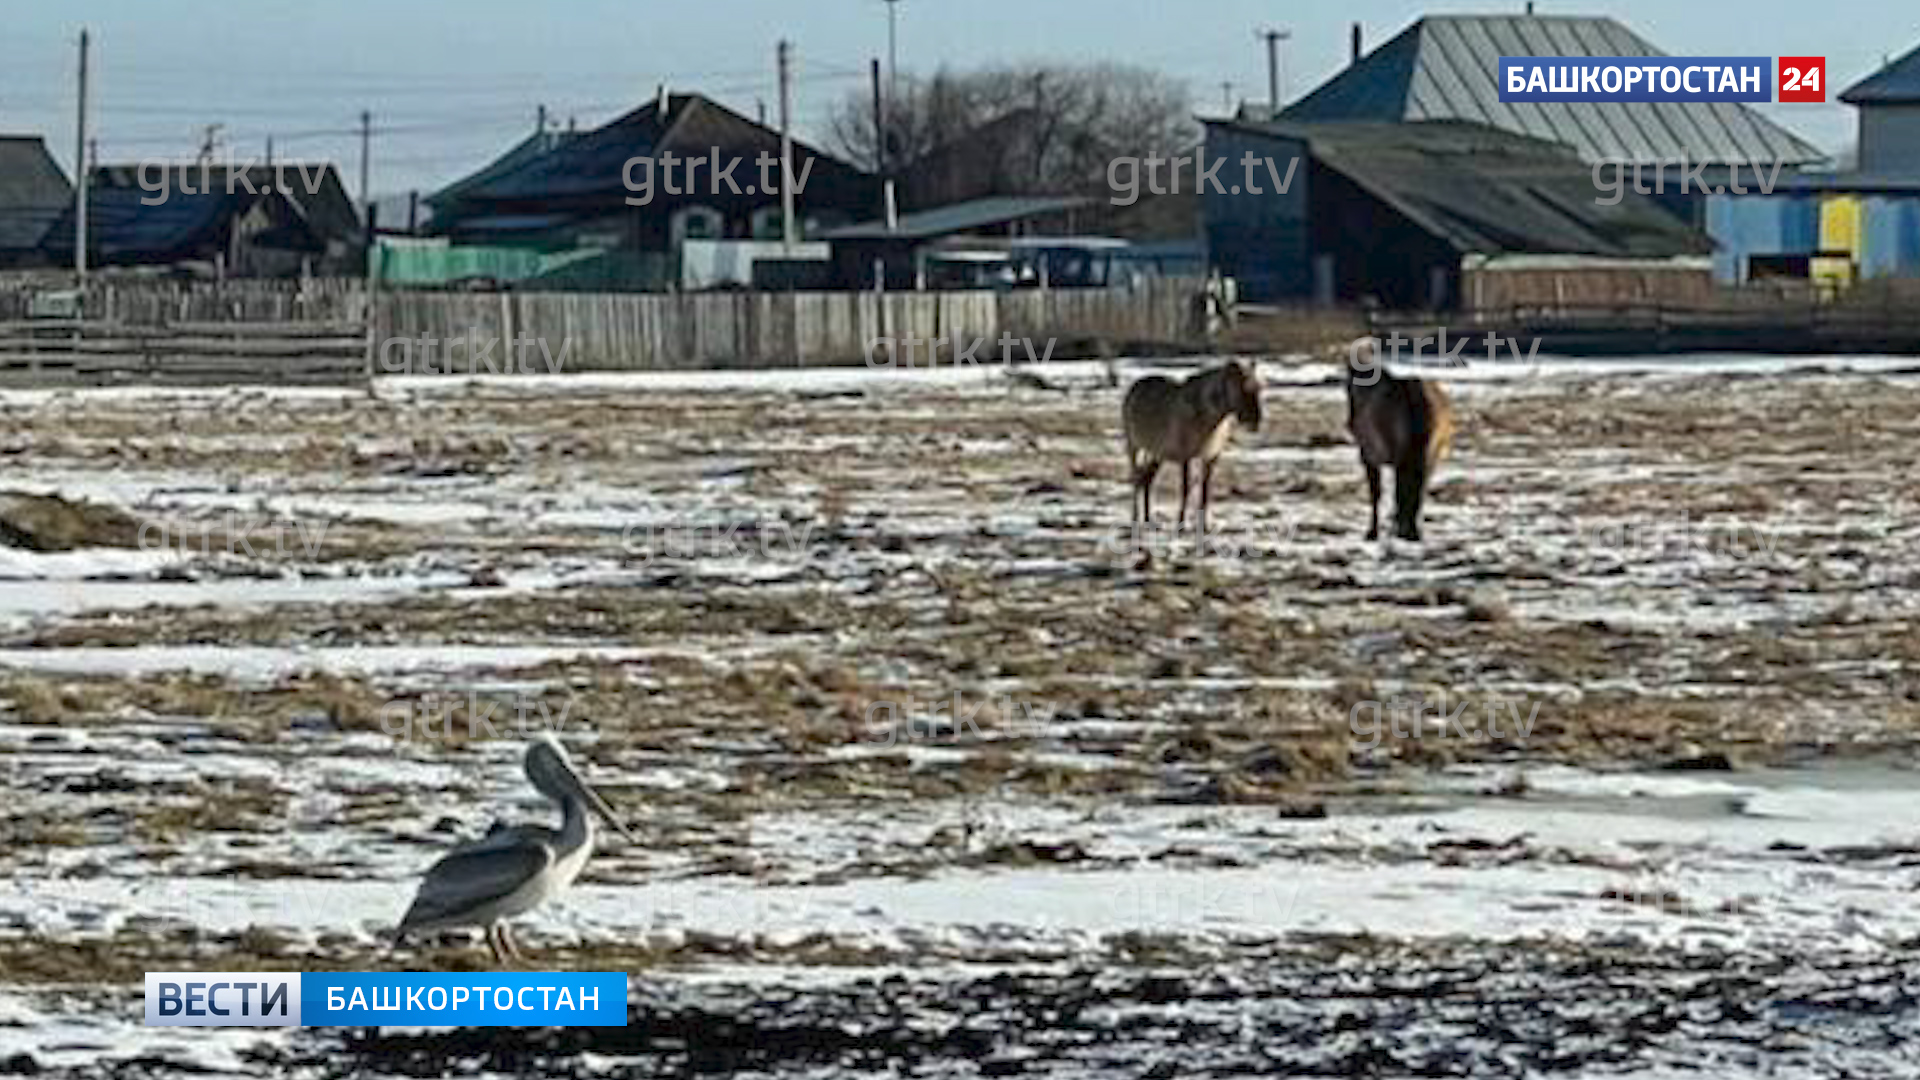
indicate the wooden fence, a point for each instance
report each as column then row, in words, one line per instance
column 101, row 351
column 1868, row 323
column 160, row 303
column 329, row 330
column 657, row 332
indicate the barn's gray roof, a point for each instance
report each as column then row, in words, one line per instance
column 33, row 191
column 1446, row 67
column 1491, row 192
column 1898, row 83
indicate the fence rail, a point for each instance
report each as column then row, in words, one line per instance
column 655, row 331
column 100, row 351
column 333, row 331
column 1749, row 321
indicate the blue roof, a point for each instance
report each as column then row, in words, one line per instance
column 588, row 163
column 1896, row 83
column 959, row 217
column 121, row 226
column 526, row 150
column 514, row 222
column 593, row 163
column 1446, row 67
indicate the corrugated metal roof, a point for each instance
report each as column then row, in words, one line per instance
column 591, row 165
column 959, row 217
column 314, row 189
column 122, row 227
column 533, row 146
column 33, row 191
column 1446, row 67
column 1487, row 191
column 1897, row 83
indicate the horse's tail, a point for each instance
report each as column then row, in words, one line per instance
column 1438, row 409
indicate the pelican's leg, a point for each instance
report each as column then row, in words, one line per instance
column 513, row 947
column 493, row 942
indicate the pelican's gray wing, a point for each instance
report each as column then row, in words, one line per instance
column 474, row 876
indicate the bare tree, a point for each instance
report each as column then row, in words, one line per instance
column 1023, row 129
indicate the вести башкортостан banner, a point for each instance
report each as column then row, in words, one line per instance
column 376, row 998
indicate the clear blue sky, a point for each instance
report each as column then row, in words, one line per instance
column 457, row 82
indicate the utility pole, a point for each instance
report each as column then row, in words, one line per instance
column 212, row 140
column 787, row 231
column 1039, row 109
column 86, row 174
column 879, row 124
column 1226, row 98
column 1273, row 39
column 366, row 149
column 893, row 50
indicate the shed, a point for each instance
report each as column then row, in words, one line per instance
column 857, row 248
column 243, row 222
column 1888, row 102
column 1435, row 215
column 33, row 195
column 1444, row 67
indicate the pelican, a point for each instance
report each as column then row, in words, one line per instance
column 514, row 868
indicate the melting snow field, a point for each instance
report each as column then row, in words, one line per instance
column 935, row 767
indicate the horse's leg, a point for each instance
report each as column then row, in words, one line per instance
column 1206, row 492
column 1373, row 495
column 1186, row 487
column 1409, row 488
column 1133, row 486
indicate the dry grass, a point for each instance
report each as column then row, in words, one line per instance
column 53, row 523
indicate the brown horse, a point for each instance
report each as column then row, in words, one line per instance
column 1179, row 421
column 1403, row 423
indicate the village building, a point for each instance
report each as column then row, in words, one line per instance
column 33, row 195
column 1434, row 215
column 608, row 197
column 216, row 220
column 1836, row 228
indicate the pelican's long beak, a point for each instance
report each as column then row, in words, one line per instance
column 598, row 805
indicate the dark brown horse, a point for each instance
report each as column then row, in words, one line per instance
column 1406, row 424
column 1180, row 421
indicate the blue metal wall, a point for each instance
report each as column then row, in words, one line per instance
column 1892, row 242
column 1790, row 225
column 1759, row 225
